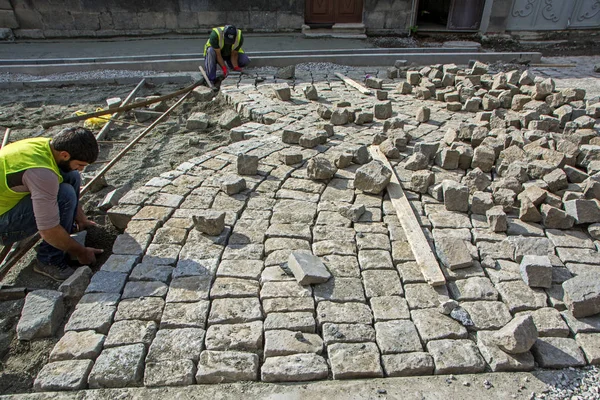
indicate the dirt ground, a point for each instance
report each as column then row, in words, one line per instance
column 23, row 111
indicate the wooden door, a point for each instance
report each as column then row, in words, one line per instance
column 329, row 12
column 465, row 14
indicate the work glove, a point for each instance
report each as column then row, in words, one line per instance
column 237, row 69
column 224, row 70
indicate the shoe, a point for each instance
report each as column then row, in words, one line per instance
column 57, row 272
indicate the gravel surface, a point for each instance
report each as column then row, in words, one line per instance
column 574, row 384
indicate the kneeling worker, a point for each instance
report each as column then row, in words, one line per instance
column 224, row 47
column 39, row 191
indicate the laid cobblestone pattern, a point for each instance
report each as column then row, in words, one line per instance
column 176, row 306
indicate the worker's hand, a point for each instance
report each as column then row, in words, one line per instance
column 237, row 69
column 88, row 255
column 83, row 224
column 224, row 68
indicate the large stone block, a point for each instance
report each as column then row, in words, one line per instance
column 582, row 294
column 41, row 315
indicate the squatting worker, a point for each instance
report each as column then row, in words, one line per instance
column 39, row 191
column 224, row 47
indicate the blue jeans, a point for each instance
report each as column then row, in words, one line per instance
column 19, row 222
column 210, row 62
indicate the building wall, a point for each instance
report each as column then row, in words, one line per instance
column 103, row 18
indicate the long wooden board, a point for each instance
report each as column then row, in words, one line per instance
column 354, row 84
column 414, row 233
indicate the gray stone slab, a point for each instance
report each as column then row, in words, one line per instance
column 63, row 375
column 422, row 295
column 118, row 367
column 307, row 268
column 227, row 366
column 184, row 315
column 91, row 316
column 500, row 361
column 582, row 294
column 407, row 364
column 548, row 322
column 119, row 263
column 294, row 368
column 176, row 344
column 590, row 344
column 342, row 266
column 487, row 315
column 571, row 238
column 343, row 313
column 234, row 311
column 455, row 356
column 410, row 272
column 162, row 254
column 284, row 342
column 151, row 272
column 578, row 255
column 107, row 282
column 388, row 308
column 473, row 289
column 382, row 283
column 295, row 321
column 347, row 333
column 375, row 259
column 272, row 290
column 503, row 271
column 520, row 297
column 354, row 360
column 249, row 269
column 131, row 244
column 581, row 325
column 139, row 289
column 189, row 289
column 169, row 373
column 246, row 337
column 143, row 308
column 558, row 353
column 288, row 304
column 77, row 346
column 399, row 336
column 432, row 325
column 340, row 290
column 130, row 332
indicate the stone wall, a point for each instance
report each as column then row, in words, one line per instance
column 104, row 18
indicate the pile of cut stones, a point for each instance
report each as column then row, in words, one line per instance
column 280, row 257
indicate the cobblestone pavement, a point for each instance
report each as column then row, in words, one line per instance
column 174, row 306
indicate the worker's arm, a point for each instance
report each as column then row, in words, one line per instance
column 234, row 59
column 58, row 237
column 82, row 220
column 220, row 60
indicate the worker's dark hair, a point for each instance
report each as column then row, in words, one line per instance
column 79, row 142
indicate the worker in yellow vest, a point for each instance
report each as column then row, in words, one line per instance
column 39, row 191
column 224, row 47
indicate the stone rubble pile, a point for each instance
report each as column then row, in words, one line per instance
column 304, row 271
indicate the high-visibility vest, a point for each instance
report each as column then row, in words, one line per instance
column 20, row 156
column 221, row 33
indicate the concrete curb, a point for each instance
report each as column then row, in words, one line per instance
column 183, row 79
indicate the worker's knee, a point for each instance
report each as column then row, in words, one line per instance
column 67, row 197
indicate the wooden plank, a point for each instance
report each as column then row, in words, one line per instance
column 414, row 233
column 354, row 84
column 112, row 119
column 6, row 137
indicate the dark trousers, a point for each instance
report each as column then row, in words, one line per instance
column 210, row 62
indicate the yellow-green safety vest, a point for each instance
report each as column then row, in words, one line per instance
column 221, row 32
column 20, row 156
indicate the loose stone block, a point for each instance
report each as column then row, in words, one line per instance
column 118, row 367
column 169, row 373
column 397, row 337
column 487, row 314
column 453, row 253
column 548, row 322
column 582, row 294
column 536, row 271
column 232, row 184
column 590, row 344
column 227, row 366
column 176, row 344
column 291, row 157
column 455, row 357
column 500, row 361
column 63, row 375
column 554, row 352
column 77, row 346
column 294, row 368
column 476, row 288
column 210, row 222
column 497, row 219
column 320, row 168
column 74, row 286
column 372, row 177
column 354, row 360
column 307, row 268
column 583, row 211
column 382, row 110
column 423, row 114
column 42, row 313
column 517, row 336
column 285, row 342
column 282, row 92
column 247, row 164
